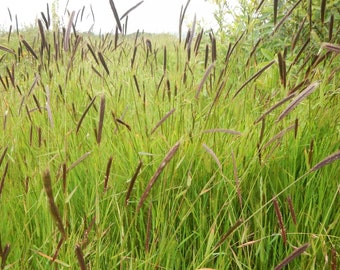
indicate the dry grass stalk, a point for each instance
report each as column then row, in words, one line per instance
column 291, row 209
column 101, row 119
column 205, row 76
column 229, row 131
column 80, row 257
column 107, row 175
column 330, row 159
column 3, row 178
column 305, row 93
column 280, row 220
column 68, row 33
column 297, row 252
column 29, row 48
column 237, row 180
column 53, row 207
column 74, row 164
column 331, row 47
column 213, row 155
column 255, row 76
column 84, row 114
column 130, row 9
column 132, row 182
column 229, row 232
column 162, row 120
column 115, row 14
column 286, row 16
column 153, row 179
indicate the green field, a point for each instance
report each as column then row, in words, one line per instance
column 218, row 150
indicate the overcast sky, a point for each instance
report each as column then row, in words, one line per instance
column 154, row 16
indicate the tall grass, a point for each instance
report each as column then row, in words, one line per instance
column 187, row 160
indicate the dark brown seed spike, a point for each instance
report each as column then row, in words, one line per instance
column 162, row 120
column 153, row 179
column 330, row 28
column 92, row 53
column 148, row 229
column 115, row 13
column 229, row 232
column 107, row 175
column 205, row 76
column 3, row 155
column 29, row 48
column 328, row 160
column 280, row 220
column 286, row 16
column 237, row 180
column 275, row 11
column 137, row 85
column 132, row 182
column 255, row 76
column 291, row 209
column 68, row 32
column 102, row 61
column 80, row 257
column 84, row 114
column 101, row 119
column 297, row 252
column 3, row 178
column 44, row 19
column 323, row 10
column 53, row 207
column 130, row 9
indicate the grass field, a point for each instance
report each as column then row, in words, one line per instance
column 148, row 152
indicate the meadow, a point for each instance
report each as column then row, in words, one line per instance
column 201, row 151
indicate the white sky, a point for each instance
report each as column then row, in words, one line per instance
column 152, row 16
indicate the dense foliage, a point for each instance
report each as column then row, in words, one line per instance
column 146, row 152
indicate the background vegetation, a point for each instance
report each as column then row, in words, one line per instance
column 148, row 151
